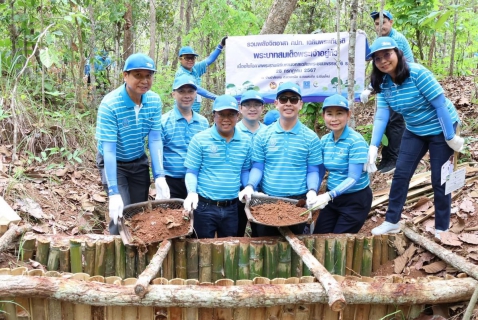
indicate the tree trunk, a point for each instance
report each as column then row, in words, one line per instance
column 351, row 67
column 180, row 32
column 431, row 51
column 279, row 16
column 152, row 29
column 189, row 11
column 453, row 45
column 128, row 32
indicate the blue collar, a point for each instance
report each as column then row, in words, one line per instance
column 127, row 102
column 216, row 136
column 294, row 130
column 345, row 134
column 179, row 116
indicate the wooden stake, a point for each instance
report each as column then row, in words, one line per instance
column 319, row 249
column 231, row 259
column 340, row 254
column 100, row 255
column 75, row 257
column 366, row 269
column 64, row 259
column 28, row 248
column 152, row 269
column 271, row 259
column 90, row 248
column 180, row 259
column 384, row 249
column 192, row 261
column 130, row 253
column 43, row 249
column 53, row 259
column 330, row 255
column 217, row 261
column 256, row 259
column 205, row 262
column 243, row 268
column 109, row 257
column 377, row 252
column 349, row 257
column 358, row 255
column 142, row 257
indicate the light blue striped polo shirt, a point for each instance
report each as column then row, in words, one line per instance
column 350, row 148
column 177, row 133
column 240, row 125
column 402, row 44
column 196, row 72
column 219, row 163
column 286, row 155
column 117, row 121
column 412, row 100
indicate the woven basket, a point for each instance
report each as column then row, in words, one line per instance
column 132, row 209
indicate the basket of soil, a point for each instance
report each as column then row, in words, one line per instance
column 277, row 212
column 154, row 221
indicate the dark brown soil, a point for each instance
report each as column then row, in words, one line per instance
column 158, row 224
column 279, row 214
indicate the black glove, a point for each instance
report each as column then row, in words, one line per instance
column 223, row 41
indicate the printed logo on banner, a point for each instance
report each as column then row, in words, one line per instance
column 306, row 84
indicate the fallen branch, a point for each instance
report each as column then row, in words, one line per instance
column 471, row 305
column 331, row 286
column 12, row 233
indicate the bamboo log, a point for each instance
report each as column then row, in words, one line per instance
column 296, row 265
column 349, row 257
column 142, row 251
column 231, row 259
column 256, row 259
column 192, row 262
column 91, row 293
column 285, row 257
column 75, row 257
column 392, row 254
column 130, row 253
column 12, row 233
column 336, row 297
column 377, row 252
column 319, row 250
column 205, row 262
column 358, row 255
column 43, row 249
column 217, row 261
column 366, row 269
column 26, row 249
column 168, row 265
column 384, row 249
column 180, row 259
column 340, row 254
column 53, row 259
column 100, row 255
column 109, row 257
column 120, row 259
column 329, row 262
column 152, row 269
column 271, row 259
column 309, row 242
column 90, row 251
column 64, row 259
column 243, row 264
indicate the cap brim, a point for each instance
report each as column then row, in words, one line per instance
column 287, row 90
column 225, row 108
column 185, row 84
column 252, row 99
column 369, row 56
column 131, row 69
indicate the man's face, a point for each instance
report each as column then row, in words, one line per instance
column 251, row 110
column 185, row 96
column 138, row 81
column 225, row 121
column 289, row 104
column 386, row 26
column 187, row 61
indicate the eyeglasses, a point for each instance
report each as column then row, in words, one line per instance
column 293, row 99
column 386, row 56
column 252, row 105
column 226, row 115
column 189, row 58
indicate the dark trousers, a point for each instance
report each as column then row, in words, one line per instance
column 177, row 187
column 346, row 213
column 209, row 219
column 412, row 150
column 133, row 182
column 394, row 133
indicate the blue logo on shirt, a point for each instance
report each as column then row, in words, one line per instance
column 125, row 123
column 213, row 151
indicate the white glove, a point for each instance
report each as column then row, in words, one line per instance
column 259, row 194
column 116, row 207
column 322, row 200
column 311, row 198
column 456, row 143
column 191, row 201
column 370, row 166
column 360, row 31
column 162, row 188
column 246, row 194
column 364, row 95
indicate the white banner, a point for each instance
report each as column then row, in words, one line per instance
column 263, row 62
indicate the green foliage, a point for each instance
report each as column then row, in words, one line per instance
column 366, row 132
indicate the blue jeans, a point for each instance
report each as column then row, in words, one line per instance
column 209, row 218
column 412, row 150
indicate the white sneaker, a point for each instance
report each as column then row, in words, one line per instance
column 437, row 233
column 386, row 227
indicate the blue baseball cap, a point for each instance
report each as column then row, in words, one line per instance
column 271, row 117
column 336, row 100
column 381, row 43
column 288, row 86
column 251, row 95
column 187, row 50
column 182, row 80
column 386, row 14
column 225, row 102
column 139, row 61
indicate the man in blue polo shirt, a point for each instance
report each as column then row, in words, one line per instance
column 179, row 125
column 217, row 162
column 125, row 117
column 396, row 124
column 286, row 157
column 187, row 59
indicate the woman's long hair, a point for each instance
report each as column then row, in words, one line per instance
column 402, row 71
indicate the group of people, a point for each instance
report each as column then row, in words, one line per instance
column 217, row 168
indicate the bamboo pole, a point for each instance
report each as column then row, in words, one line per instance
column 28, row 248
column 296, row 265
column 90, row 252
column 100, row 255
column 366, row 269
column 168, row 265
column 43, row 248
column 205, row 262
column 319, row 250
column 152, row 269
column 336, row 297
column 224, row 313
column 217, row 261
column 75, row 257
column 256, row 259
column 130, row 253
column 64, row 259
column 384, row 249
column 120, row 258
column 349, row 257
column 284, row 264
column 231, row 259
column 392, row 254
column 377, row 252
column 340, row 254
column 192, row 262
column 53, row 259
column 329, row 263
column 142, row 251
column 109, row 258
column 243, row 263
column 309, row 243
column 180, row 258
column 271, row 259
column 242, row 313
column 358, row 255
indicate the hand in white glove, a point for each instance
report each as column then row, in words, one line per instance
column 246, row 194
column 191, row 201
column 456, row 143
column 364, row 95
column 370, row 166
column 162, row 188
column 259, row 194
column 311, row 198
column 116, row 207
column 360, row 31
column 322, row 200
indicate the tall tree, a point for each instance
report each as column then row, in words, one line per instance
column 152, row 29
column 279, row 16
column 128, row 32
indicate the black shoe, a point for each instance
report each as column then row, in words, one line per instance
column 381, row 165
column 389, row 167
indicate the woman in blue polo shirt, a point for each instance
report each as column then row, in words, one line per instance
column 348, row 199
column 431, row 119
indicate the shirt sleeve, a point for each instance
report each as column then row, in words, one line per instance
column 194, row 155
column 427, row 84
column 106, row 125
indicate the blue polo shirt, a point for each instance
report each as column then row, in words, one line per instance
column 402, row 44
column 219, row 163
column 120, row 120
column 286, row 155
column 412, row 100
column 349, row 148
column 196, row 72
column 240, row 125
column 177, row 133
